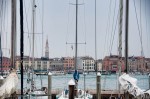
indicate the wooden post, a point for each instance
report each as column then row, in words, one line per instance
column 98, row 86
column 49, row 85
column 53, row 96
column 71, row 89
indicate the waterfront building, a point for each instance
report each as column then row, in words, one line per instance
column 87, row 63
column 141, row 64
column 68, row 63
column 147, row 64
column 5, row 64
column 99, row 64
column 137, row 64
column 132, row 64
column 110, row 63
column 39, row 63
column 56, row 64
column 26, row 62
column 42, row 63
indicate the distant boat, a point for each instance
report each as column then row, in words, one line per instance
column 41, row 73
column 56, row 73
column 105, row 72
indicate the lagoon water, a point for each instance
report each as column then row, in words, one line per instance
column 108, row 82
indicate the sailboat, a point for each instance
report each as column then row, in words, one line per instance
column 33, row 90
column 79, row 93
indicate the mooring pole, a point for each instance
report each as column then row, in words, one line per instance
column 71, row 89
column 49, row 85
column 98, row 86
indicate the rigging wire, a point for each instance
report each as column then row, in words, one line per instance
column 27, row 29
column 139, row 30
column 146, row 26
column 141, row 24
column 67, row 34
column 112, row 28
column 106, row 43
column 107, row 28
column 114, row 33
column 7, row 27
column 42, row 36
column 84, row 26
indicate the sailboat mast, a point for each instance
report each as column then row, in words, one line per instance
column 21, row 44
column 33, row 15
column 76, row 35
column 95, row 41
column 120, row 40
column 13, row 32
column 126, row 35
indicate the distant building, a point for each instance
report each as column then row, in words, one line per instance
column 99, row 65
column 26, row 62
column 137, row 63
column 88, row 63
column 39, row 63
column 6, row 64
column 47, row 49
column 56, row 64
column 42, row 64
column 147, row 64
column 110, row 63
column 68, row 63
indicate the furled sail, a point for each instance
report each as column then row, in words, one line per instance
column 129, row 84
column 9, row 86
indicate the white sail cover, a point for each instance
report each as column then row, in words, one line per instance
column 129, row 84
column 9, row 86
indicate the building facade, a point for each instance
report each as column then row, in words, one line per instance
column 111, row 63
column 6, row 64
column 56, row 64
column 88, row 64
column 39, row 63
column 68, row 63
column 137, row 64
column 99, row 65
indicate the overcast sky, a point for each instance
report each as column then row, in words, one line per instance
column 59, row 28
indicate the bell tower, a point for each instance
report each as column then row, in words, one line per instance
column 47, row 49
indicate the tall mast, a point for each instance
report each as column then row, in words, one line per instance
column 13, row 32
column 33, row 15
column 21, row 44
column 126, row 35
column 76, row 35
column 76, row 49
column 120, row 39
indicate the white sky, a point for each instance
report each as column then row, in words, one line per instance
column 59, row 27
